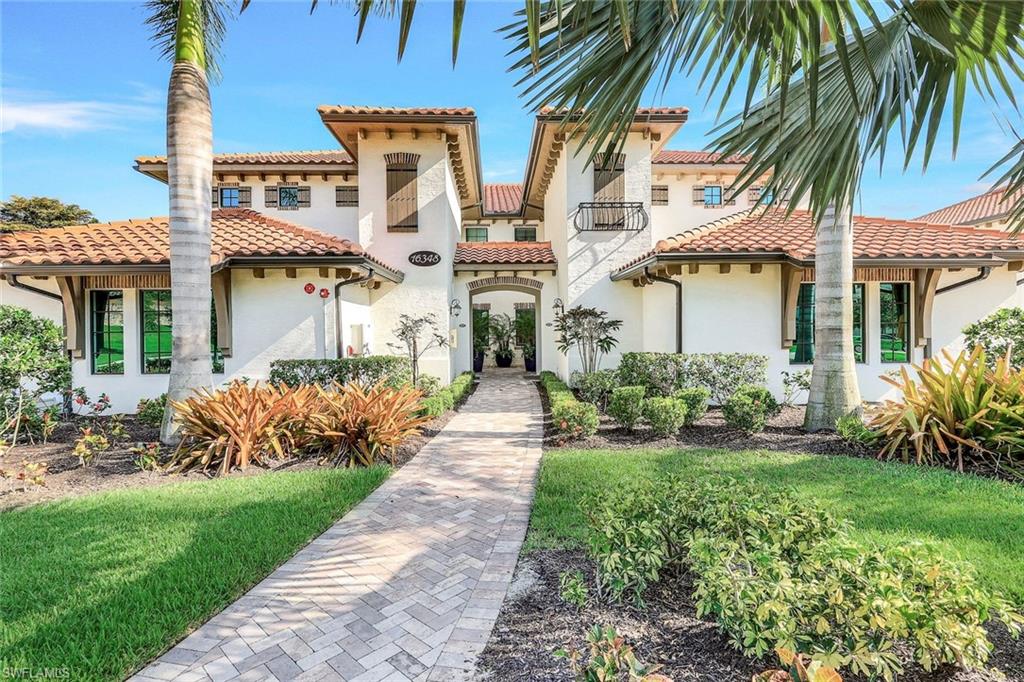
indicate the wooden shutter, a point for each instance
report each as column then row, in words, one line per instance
column 270, row 196
column 305, row 200
column 659, row 195
column 215, row 198
column 402, row 197
column 245, row 197
column 610, row 187
column 729, row 199
column 698, row 195
column 346, row 196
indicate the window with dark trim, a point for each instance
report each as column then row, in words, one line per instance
column 713, row 195
column 229, row 197
column 216, row 356
column 802, row 350
column 155, row 328
column 287, row 197
column 659, row 195
column 894, row 315
column 345, row 196
column 476, row 234
column 403, row 203
column 107, row 352
column 526, row 234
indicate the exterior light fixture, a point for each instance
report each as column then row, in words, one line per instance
column 454, row 308
column 558, row 307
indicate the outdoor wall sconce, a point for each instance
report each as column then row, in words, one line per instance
column 454, row 308
column 558, row 307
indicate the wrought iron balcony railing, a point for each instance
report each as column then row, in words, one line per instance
column 610, row 216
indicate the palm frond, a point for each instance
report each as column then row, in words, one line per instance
column 1013, row 180
column 162, row 20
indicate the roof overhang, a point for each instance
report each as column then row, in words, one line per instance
column 458, row 130
column 478, row 267
column 158, row 170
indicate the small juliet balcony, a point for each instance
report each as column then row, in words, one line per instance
column 610, row 216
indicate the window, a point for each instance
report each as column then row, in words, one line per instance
column 402, row 198
column 476, row 234
column 346, row 196
column 107, row 331
column 287, row 197
column 802, row 350
column 659, row 195
column 232, row 196
column 525, row 321
column 155, row 319
column 713, row 195
column 894, row 311
column 526, row 234
column 229, row 197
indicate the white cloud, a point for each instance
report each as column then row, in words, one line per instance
column 34, row 113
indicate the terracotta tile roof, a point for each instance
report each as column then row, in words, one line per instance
column 237, row 233
column 313, row 157
column 773, row 233
column 502, row 197
column 641, row 111
column 681, row 156
column 505, row 253
column 988, row 206
column 344, row 109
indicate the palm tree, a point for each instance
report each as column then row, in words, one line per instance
column 830, row 105
column 189, row 33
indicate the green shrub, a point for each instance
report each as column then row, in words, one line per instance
column 571, row 418
column 775, row 570
column 851, row 428
column 1001, row 331
column 150, row 411
column 665, row 415
column 369, row 370
column 32, row 353
column 662, row 374
column 696, row 400
column 428, row 384
column 447, row 398
column 595, row 387
column 461, row 387
column 744, row 413
column 627, row 405
column 762, row 395
column 572, row 588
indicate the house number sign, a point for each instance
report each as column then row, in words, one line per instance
column 424, row 259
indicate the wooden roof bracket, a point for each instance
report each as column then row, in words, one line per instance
column 72, row 293
column 926, row 281
column 791, row 276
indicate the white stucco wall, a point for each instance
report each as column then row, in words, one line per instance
column 499, row 230
column 681, row 214
column 322, row 213
column 38, row 304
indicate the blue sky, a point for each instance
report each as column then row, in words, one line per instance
column 83, row 94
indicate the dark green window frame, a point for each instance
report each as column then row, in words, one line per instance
column 525, row 233
column 155, row 333
column 476, row 234
column 894, row 321
column 107, row 351
column 802, row 350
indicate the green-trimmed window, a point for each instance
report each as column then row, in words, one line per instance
column 802, row 350
column 155, row 317
column 107, row 308
column 894, row 311
column 526, row 234
column 476, row 234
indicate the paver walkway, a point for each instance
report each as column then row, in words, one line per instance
column 407, row 585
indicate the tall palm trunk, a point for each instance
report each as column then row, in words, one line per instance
column 834, row 390
column 189, row 175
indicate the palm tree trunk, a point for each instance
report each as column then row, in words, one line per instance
column 834, row 390
column 189, row 176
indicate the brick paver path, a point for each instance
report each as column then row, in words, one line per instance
column 408, row 584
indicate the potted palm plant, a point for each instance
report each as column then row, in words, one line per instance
column 481, row 339
column 502, row 335
column 525, row 333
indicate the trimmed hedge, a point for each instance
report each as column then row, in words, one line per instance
column 448, row 397
column 572, row 418
column 394, row 370
column 662, row 374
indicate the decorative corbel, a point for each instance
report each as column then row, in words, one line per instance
column 791, row 277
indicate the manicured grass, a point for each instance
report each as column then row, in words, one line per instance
column 101, row 584
column 980, row 520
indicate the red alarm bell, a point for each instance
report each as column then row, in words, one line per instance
column 309, row 288
column 324, row 293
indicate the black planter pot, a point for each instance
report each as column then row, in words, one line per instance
column 503, row 360
column 531, row 364
column 478, row 361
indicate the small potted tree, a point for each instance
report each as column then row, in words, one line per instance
column 481, row 339
column 502, row 335
column 525, row 332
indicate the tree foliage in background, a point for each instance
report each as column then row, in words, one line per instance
column 29, row 213
column 590, row 332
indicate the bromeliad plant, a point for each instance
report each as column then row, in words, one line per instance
column 957, row 412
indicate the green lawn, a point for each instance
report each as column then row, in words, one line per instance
column 101, row 584
column 981, row 520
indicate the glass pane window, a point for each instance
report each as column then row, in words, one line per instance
column 767, row 196
column 216, row 357
column 894, row 311
column 526, row 234
column 288, row 197
column 476, row 234
column 155, row 320
column 229, row 197
column 107, row 331
column 713, row 195
column 802, row 351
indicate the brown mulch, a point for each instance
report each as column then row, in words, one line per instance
column 115, row 468
column 534, row 622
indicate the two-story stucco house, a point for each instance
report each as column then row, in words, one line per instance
column 317, row 254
